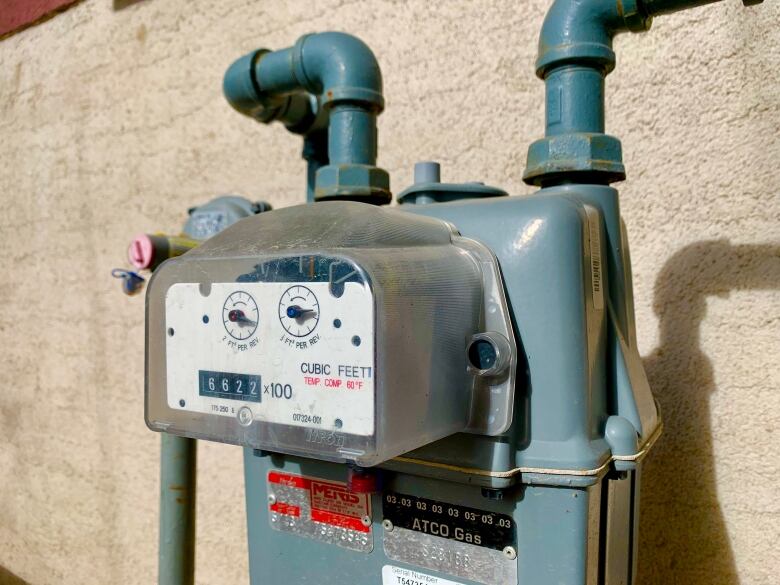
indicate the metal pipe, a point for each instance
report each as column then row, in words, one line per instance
column 178, row 459
column 299, row 112
column 344, row 74
column 565, row 114
column 352, row 136
column 655, row 7
column 575, row 56
column 315, row 153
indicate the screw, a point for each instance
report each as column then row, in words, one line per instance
column 245, row 417
column 510, row 553
column 271, row 499
column 388, row 525
column 366, row 520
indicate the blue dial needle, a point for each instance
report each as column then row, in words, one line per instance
column 294, row 311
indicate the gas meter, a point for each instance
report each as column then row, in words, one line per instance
column 449, row 392
column 331, row 331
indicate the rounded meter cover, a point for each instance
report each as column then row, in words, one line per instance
column 335, row 331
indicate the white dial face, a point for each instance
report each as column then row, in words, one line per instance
column 299, row 311
column 240, row 315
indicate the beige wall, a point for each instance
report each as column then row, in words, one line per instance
column 112, row 122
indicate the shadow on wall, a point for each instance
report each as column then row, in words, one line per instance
column 8, row 578
column 120, row 4
column 683, row 536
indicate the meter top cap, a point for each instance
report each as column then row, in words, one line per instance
column 328, row 331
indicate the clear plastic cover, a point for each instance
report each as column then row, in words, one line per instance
column 328, row 330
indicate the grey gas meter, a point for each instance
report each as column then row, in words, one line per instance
column 477, row 351
column 330, row 331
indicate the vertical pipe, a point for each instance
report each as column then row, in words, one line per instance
column 178, row 459
column 315, row 153
column 574, row 100
column 312, row 166
column 352, row 135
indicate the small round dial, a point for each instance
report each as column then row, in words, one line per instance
column 299, row 311
column 240, row 315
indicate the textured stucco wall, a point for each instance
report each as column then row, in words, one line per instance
column 112, row 122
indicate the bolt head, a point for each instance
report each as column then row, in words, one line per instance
column 271, row 499
column 387, row 525
column 366, row 520
column 510, row 552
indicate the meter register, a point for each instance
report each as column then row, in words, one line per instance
column 330, row 331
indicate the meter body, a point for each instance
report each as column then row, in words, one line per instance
column 342, row 332
column 553, row 498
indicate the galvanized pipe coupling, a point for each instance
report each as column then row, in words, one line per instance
column 328, row 79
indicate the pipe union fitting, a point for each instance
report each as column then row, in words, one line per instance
column 580, row 153
column 353, row 181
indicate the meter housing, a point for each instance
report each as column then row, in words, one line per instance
column 339, row 331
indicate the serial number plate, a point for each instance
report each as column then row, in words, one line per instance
column 450, row 521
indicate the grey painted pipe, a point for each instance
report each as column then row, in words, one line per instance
column 177, row 510
column 343, row 73
column 575, row 56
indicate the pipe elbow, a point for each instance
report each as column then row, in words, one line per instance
column 340, row 68
column 581, row 32
column 240, row 88
column 300, row 112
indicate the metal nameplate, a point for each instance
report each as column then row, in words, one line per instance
column 450, row 521
column 320, row 509
column 458, row 559
column 455, row 540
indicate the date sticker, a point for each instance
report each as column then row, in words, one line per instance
column 399, row 576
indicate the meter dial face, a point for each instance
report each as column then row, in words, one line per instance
column 240, row 315
column 299, row 311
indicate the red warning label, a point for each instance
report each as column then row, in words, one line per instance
column 326, row 502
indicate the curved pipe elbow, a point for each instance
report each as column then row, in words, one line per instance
column 240, row 87
column 581, row 32
column 338, row 67
column 271, row 85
